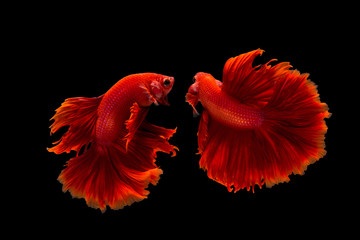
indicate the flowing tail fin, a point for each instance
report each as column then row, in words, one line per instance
column 80, row 115
column 294, row 125
column 290, row 138
column 115, row 176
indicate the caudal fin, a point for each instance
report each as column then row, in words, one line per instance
column 294, row 125
column 111, row 175
column 80, row 115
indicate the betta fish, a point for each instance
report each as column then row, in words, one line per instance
column 119, row 145
column 259, row 124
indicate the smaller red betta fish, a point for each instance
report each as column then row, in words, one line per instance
column 120, row 162
column 259, row 125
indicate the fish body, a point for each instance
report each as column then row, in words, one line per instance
column 120, row 162
column 223, row 107
column 259, row 125
column 114, row 108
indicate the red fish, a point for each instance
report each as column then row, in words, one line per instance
column 120, row 162
column 259, row 125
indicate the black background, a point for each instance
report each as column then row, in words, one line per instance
column 83, row 56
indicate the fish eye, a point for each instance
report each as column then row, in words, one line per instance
column 166, row 82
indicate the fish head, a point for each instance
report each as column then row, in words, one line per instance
column 194, row 88
column 192, row 96
column 200, row 79
column 160, row 88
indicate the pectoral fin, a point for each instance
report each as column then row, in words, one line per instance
column 203, row 131
column 149, row 95
column 193, row 99
column 137, row 116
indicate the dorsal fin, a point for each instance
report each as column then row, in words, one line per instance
column 251, row 85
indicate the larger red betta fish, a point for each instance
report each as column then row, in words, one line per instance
column 259, row 125
column 120, row 162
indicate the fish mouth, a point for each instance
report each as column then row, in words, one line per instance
column 164, row 100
